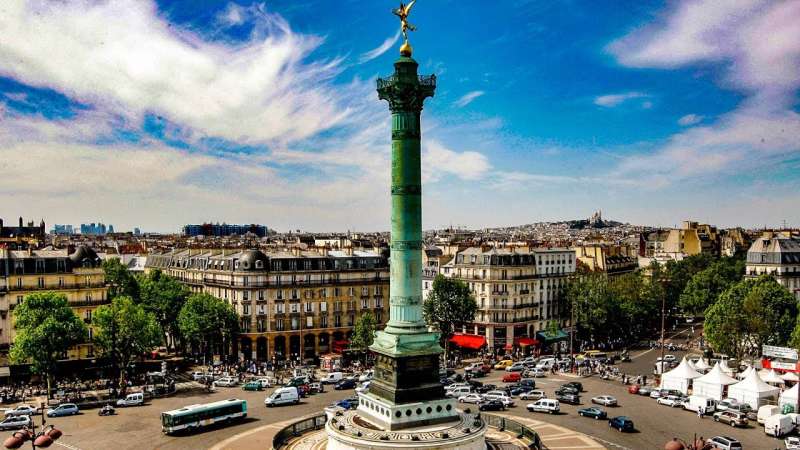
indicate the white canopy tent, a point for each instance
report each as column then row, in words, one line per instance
column 701, row 365
column 772, row 378
column 790, row 376
column 680, row 378
column 753, row 391
column 691, row 364
column 744, row 374
column 789, row 397
column 724, row 366
column 713, row 383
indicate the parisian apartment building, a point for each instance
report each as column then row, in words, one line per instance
column 76, row 273
column 778, row 254
column 517, row 290
column 291, row 304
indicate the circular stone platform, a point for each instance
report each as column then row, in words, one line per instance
column 350, row 431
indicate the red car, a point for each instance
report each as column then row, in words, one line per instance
column 633, row 389
column 512, row 377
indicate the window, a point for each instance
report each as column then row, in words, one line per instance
column 261, row 295
column 245, row 295
column 337, row 292
column 294, row 294
column 262, row 309
column 279, row 308
column 323, row 322
column 88, row 315
column 323, row 307
column 351, row 320
column 295, row 323
column 337, row 320
column 40, row 282
column 61, row 282
column 19, row 299
column 309, row 322
column 39, row 265
column 323, row 293
column 365, row 291
column 294, row 308
column 351, row 291
column 259, row 264
column 91, row 333
column 279, row 324
column 260, row 325
column 246, row 309
column 19, row 282
column 364, row 303
column 309, row 307
column 379, row 302
column 379, row 317
column 309, row 293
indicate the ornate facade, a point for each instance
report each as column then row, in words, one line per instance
column 289, row 303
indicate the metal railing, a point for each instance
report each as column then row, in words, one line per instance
column 521, row 430
column 297, row 428
column 317, row 422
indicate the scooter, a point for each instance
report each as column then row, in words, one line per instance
column 107, row 410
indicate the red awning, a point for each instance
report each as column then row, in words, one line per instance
column 526, row 341
column 470, row 341
column 340, row 346
column 509, row 347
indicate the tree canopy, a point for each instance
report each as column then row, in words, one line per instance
column 206, row 322
column 163, row 296
column 46, row 327
column 450, row 304
column 363, row 331
column 124, row 331
column 120, row 280
column 705, row 286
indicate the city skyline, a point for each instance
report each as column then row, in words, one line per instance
column 158, row 114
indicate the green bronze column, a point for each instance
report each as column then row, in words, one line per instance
column 406, row 91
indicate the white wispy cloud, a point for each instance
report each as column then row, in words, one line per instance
column 381, row 49
column 124, row 57
column 758, row 41
column 468, row 98
column 690, row 119
column 612, row 100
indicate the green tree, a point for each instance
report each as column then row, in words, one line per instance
column 164, row 297
column 449, row 305
column 363, row 331
column 46, row 327
column 676, row 276
column 751, row 313
column 120, row 280
column 124, row 331
column 705, row 286
column 207, row 323
column 593, row 307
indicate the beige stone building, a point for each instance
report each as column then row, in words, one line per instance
column 517, row 291
column 607, row 258
column 289, row 303
column 77, row 274
column 776, row 254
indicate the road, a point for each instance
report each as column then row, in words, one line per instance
column 140, row 428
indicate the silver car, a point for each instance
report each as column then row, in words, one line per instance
column 64, row 409
column 15, row 422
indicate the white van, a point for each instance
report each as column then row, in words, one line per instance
column 283, row 396
column 778, row 425
column 332, row 378
column 700, row 403
column 765, row 412
column 546, row 363
column 458, row 392
column 547, row 405
column 135, row 399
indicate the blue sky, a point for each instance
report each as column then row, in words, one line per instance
column 158, row 113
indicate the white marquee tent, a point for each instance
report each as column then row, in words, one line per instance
column 790, row 376
column 753, row 391
column 772, row 378
column 745, row 373
column 701, row 365
column 724, row 366
column 789, row 396
column 680, row 378
column 713, row 383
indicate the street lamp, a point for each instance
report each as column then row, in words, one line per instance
column 42, row 439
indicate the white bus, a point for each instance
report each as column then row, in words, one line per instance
column 195, row 416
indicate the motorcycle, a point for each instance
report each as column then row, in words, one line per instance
column 107, row 410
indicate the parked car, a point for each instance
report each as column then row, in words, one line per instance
column 547, row 405
column 621, row 423
column 485, row 388
column 491, row 405
column 511, row 377
column 725, row 443
column 569, row 388
column 527, row 382
column 726, row 403
column 226, row 382
column 535, row 394
column 568, row 397
column 670, row 358
column 519, row 389
column 332, row 378
column 655, row 393
column 135, row 399
column 471, row 398
column 15, row 422
column 345, row 384
column 363, row 388
column 792, row 443
column 671, row 401
column 732, row 418
column 265, row 382
column 64, row 409
column 316, row 387
column 199, row 376
column 501, row 396
column 252, row 386
column 366, row 376
column 594, row 413
column 283, row 396
column 502, row 365
column 22, row 410
column 575, row 385
column 605, row 400
column 534, row 373
column 644, row 390
column 516, row 367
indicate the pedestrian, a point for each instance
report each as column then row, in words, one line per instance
column 699, row 413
